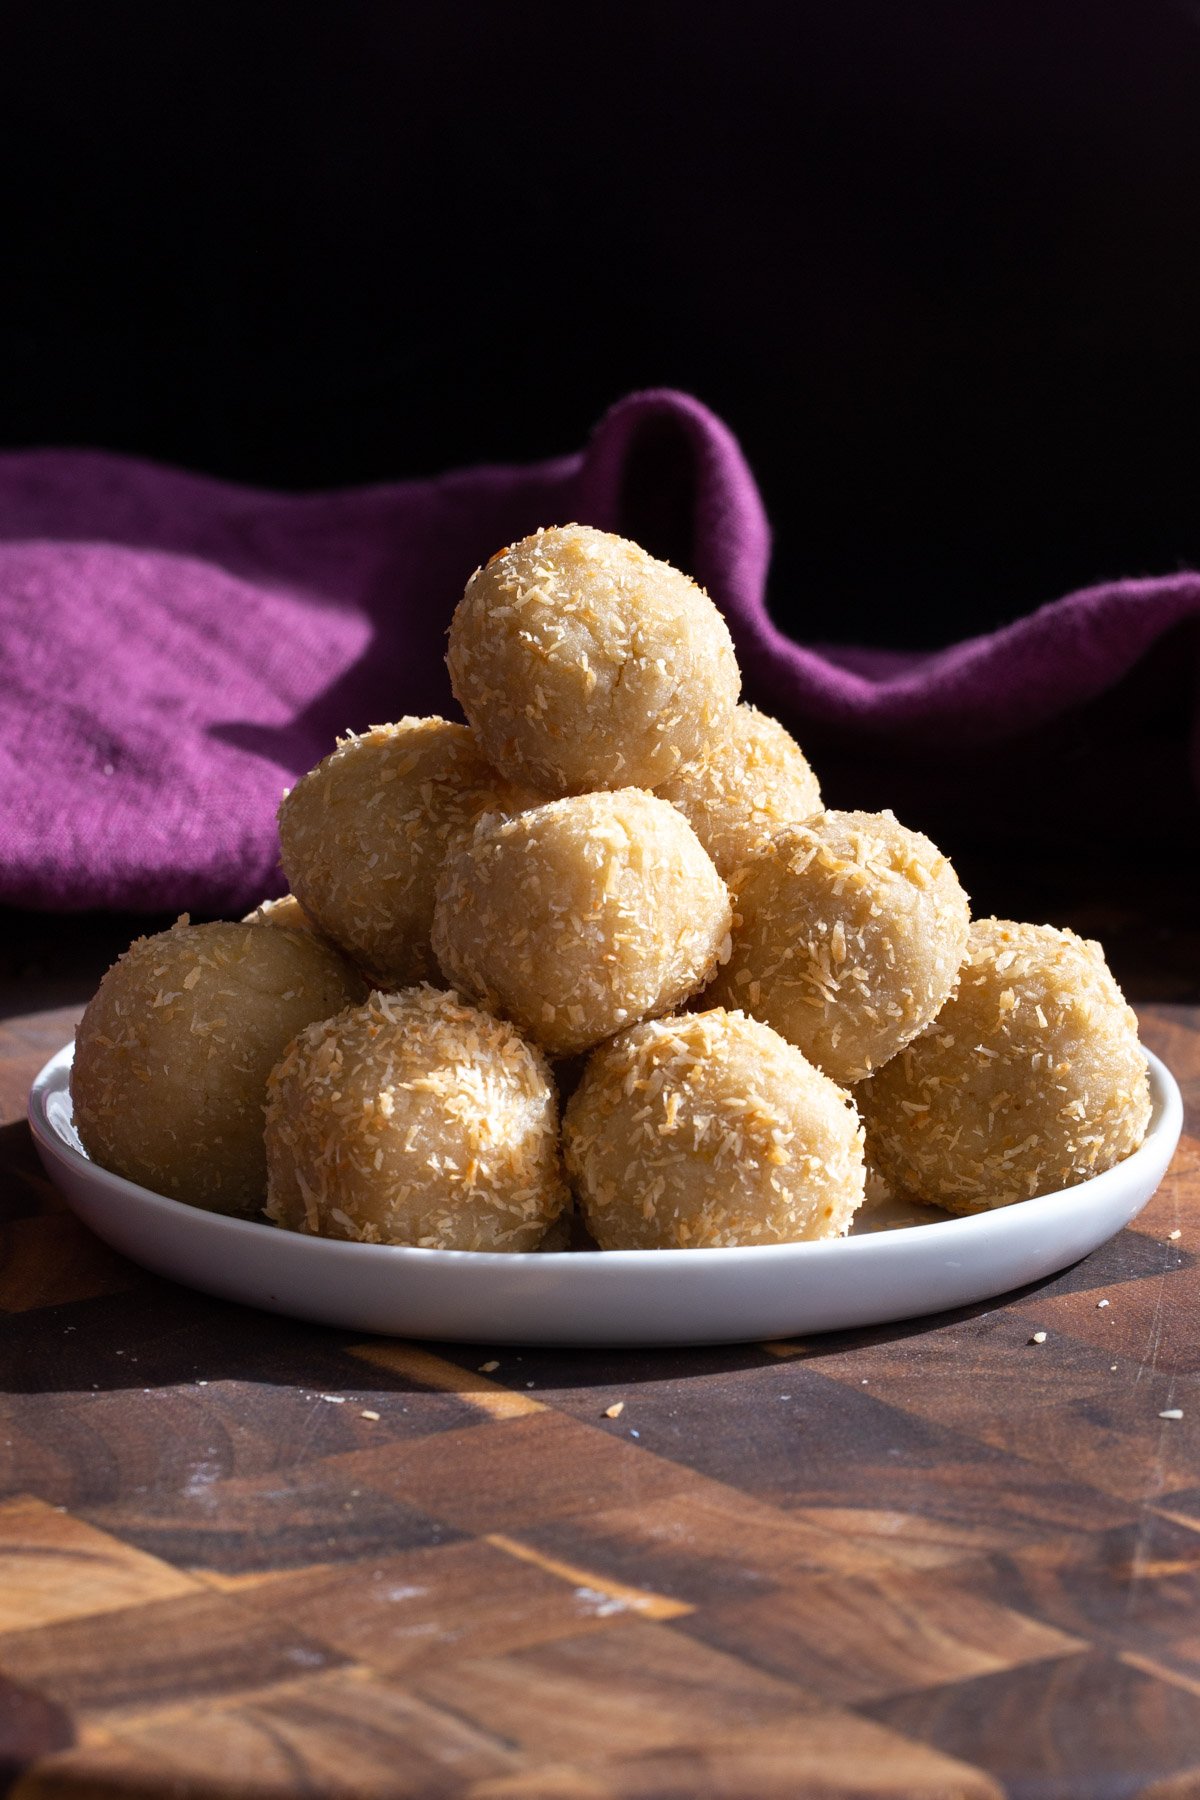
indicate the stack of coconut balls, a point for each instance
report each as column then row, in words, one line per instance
column 617, row 883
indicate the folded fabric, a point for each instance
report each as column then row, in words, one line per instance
column 175, row 650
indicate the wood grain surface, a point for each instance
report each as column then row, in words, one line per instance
column 245, row 1556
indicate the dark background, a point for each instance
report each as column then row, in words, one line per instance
column 938, row 265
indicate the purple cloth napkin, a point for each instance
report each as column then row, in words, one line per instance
column 175, row 650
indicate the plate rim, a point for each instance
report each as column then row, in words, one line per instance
column 1166, row 1123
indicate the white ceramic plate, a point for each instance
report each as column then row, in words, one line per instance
column 882, row 1272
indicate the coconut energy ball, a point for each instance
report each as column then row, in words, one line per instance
column 848, row 934
column 582, row 662
column 1030, row 1079
column 364, row 835
column 581, row 916
column 744, row 788
column 287, row 910
column 415, row 1120
column 173, row 1053
column 710, row 1129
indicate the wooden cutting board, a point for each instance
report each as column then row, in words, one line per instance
column 244, row 1556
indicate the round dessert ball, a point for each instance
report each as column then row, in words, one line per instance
column 581, row 916
column 415, row 1120
column 173, row 1053
column 848, row 934
column 710, row 1129
column 1029, row 1080
column 287, row 910
column 582, row 662
column 363, row 837
column 744, row 788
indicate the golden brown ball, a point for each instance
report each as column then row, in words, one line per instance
column 710, row 1129
column 364, row 835
column 173, row 1053
column 583, row 662
column 848, row 934
column 744, row 789
column 1029, row 1080
column 578, row 917
column 415, row 1120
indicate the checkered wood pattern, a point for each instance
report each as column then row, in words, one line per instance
column 931, row 1560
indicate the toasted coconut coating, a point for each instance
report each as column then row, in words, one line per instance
column 1029, row 1080
column 287, row 910
column 173, row 1053
column 364, row 835
column 744, row 788
column 848, row 935
column 710, row 1129
column 581, row 916
column 583, row 662
column 415, row 1120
